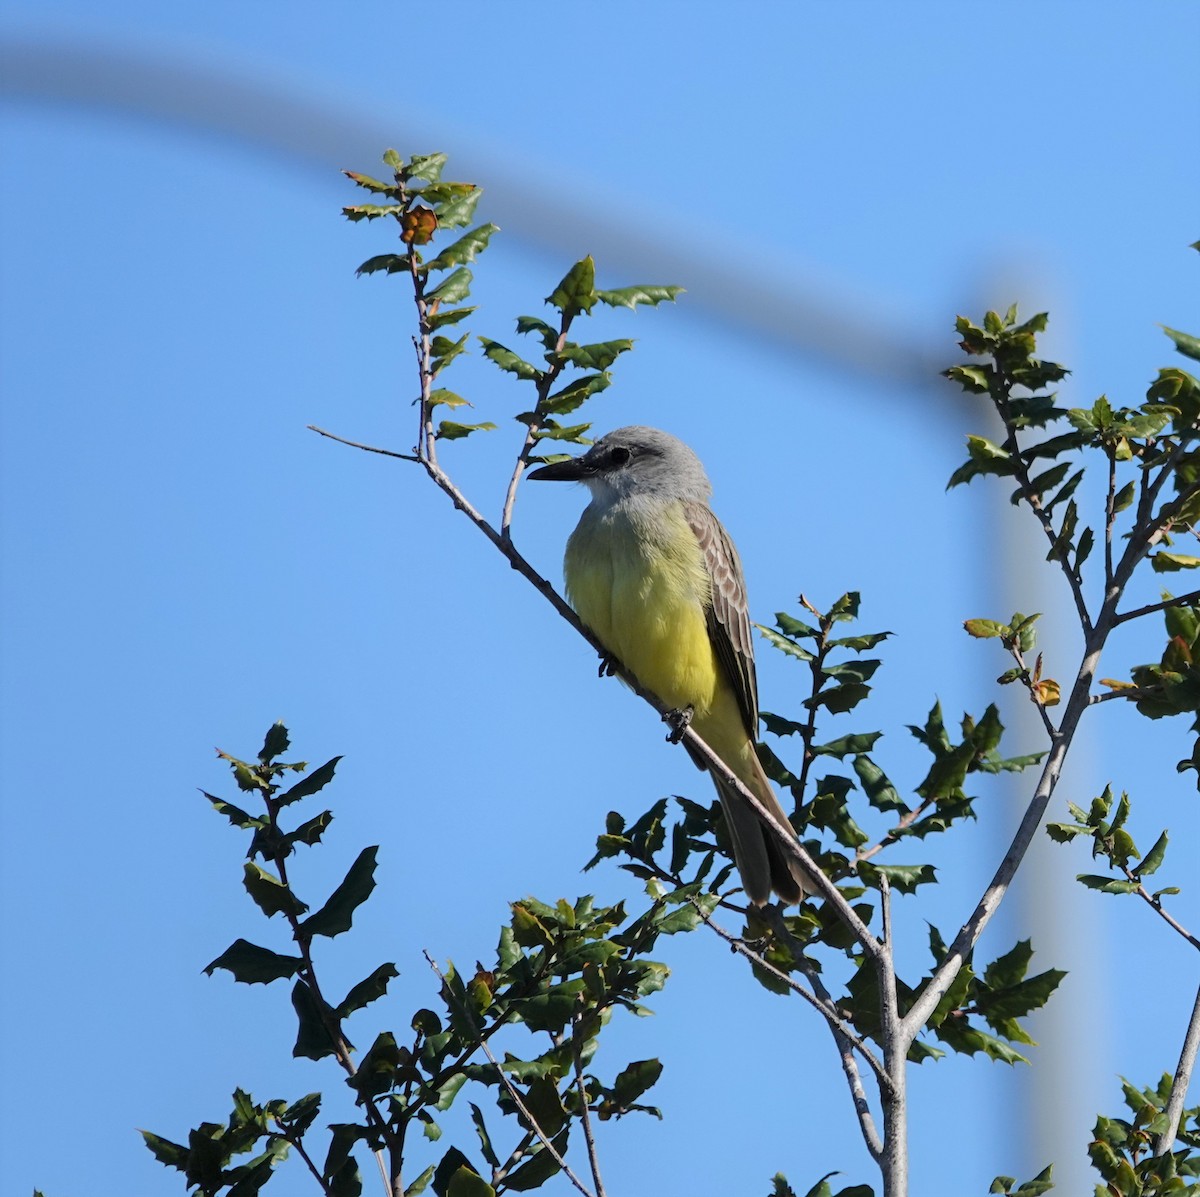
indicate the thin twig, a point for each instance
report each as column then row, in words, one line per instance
column 1110, row 515
column 896, row 833
column 1182, row 600
column 341, row 440
column 1183, row 1078
column 298, row 1144
column 342, row 1051
column 845, row 1039
column 1172, row 922
column 1030, row 685
column 823, row 1005
column 1133, row 693
column 544, row 385
column 585, row 1115
column 518, row 1101
column 1021, row 473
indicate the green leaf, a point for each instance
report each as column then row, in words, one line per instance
column 449, row 430
column 253, row 965
column 1168, row 563
column 1187, row 344
column 301, row 1114
column 459, row 210
column 593, row 357
column 535, row 324
column 903, row 878
column 235, row 814
column 509, row 361
column 270, row 895
column 444, row 316
column 312, row 1037
column 310, row 832
column 367, row 990
column 336, row 915
column 784, row 644
column 574, row 394
column 1153, row 859
column 837, row 700
column 536, row 1171
column 576, row 292
column 385, row 263
column 634, row 1080
column 464, row 249
column 790, row 626
column 880, row 792
column 174, row 1155
column 985, row 629
column 630, row 297
column 275, row 743
column 359, row 212
column 444, row 351
column 555, row 432
column 317, row 780
column 442, row 397
column 1107, row 885
column 453, row 289
column 844, row 746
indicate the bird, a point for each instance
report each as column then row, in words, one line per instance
column 654, row 575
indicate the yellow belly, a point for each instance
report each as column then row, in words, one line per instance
column 643, row 588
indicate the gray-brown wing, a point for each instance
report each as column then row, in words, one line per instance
column 728, row 614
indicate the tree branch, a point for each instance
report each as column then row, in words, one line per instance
column 1193, row 596
column 967, row 937
column 1183, row 1078
column 1021, row 473
column 585, row 1115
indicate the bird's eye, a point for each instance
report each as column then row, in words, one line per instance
column 621, row 455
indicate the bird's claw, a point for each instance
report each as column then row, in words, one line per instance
column 678, row 721
column 608, row 665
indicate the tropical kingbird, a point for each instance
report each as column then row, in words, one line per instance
column 655, row 576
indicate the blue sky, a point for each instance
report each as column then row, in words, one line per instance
column 185, row 563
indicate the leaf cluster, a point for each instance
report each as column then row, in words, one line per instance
column 1111, row 840
column 1156, row 439
column 422, row 204
column 693, row 855
column 207, row 1159
column 569, row 372
column 559, row 972
column 1122, row 1149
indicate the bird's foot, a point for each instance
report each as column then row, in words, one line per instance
column 678, row 721
column 608, row 665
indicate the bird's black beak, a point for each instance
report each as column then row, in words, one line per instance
column 574, row 469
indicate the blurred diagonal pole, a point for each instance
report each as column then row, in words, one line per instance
column 799, row 317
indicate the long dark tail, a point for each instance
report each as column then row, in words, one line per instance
column 761, row 860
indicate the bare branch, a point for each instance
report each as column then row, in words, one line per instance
column 333, row 1028
column 341, row 440
column 1183, row 600
column 1021, row 473
column 544, row 385
column 585, row 1115
column 821, row 1002
column 1183, row 1078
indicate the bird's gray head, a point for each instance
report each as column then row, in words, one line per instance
column 634, row 462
